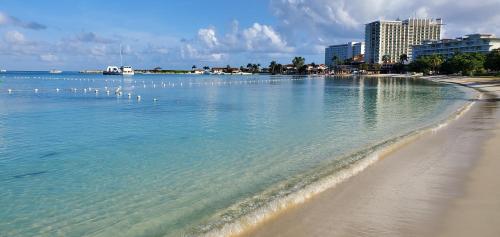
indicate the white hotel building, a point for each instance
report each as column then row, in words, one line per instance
column 343, row 52
column 481, row 43
column 394, row 38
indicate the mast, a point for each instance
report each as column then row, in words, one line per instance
column 121, row 57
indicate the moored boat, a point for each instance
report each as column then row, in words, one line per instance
column 55, row 71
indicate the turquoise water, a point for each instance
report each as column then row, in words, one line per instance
column 81, row 163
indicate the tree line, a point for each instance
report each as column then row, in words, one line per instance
column 467, row 64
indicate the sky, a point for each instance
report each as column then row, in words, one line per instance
column 87, row 34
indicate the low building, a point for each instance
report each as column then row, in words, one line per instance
column 198, row 71
column 316, row 69
column 221, row 70
column 474, row 43
column 343, row 52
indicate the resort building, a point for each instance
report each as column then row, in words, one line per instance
column 343, row 52
column 480, row 43
column 394, row 38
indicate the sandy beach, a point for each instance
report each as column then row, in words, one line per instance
column 444, row 183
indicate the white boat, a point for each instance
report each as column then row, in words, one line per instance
column 123, row 70
column 54, row 71
column 112, row 70
column 3, row 70
column 127, row 71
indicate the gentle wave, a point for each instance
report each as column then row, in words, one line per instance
column 243, row 216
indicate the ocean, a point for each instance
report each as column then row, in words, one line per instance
column 187, row 155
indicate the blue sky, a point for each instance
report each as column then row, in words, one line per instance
column 74, row 35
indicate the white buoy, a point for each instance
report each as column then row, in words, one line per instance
column 155, row 99
column 138, row 98
column 10, row 91
column 107, row 92
column 96, row 91
column 36, row 90
column 129, row 95
column 57, row 89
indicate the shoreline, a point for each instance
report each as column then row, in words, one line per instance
column 377, row 152
column 349, row 196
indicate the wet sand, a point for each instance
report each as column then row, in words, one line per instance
column 444, row 183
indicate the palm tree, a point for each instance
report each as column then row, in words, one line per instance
column 403, row 58
column 298, row 62
column 386, row 58
column 272, row 67
column 334, row 60
column 206, row 67
column 279, row 68
column 193, row 67
column 435, row 61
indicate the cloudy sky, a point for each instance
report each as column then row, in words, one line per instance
column 87, row 34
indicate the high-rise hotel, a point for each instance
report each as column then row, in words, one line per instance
column 394, row 38
column 343, row 52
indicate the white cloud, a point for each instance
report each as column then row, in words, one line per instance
column 48, row 57
column 337, row 21
column 262, row 38
column 188, row 51
column 14, row 37
column 256, row 39
column 208, row 38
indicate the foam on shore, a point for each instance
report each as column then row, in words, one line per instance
column 248, row 214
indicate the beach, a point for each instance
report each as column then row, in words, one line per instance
column 442, row 183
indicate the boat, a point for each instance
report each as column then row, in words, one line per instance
column 123, row 70
column 112, row 70
column 54, row 71
column 127, row 71
column 3, row 70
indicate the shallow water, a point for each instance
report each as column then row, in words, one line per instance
column 76, row 163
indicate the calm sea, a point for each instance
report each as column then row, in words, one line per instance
column 194, row 153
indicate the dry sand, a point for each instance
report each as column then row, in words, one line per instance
column 445, row 183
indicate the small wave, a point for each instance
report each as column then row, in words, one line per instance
column 253, row 211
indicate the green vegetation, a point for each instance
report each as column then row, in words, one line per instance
column 253, row 68
column 493, row 61
column 467, row 64
column 298, row 62
column 386, row 59
column 275, row 68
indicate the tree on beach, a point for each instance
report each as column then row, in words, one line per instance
column 279, row 68
column 364, row 67
column 206, row 67
column 403, row 58
column 492, row 61
column 272, row 67
column 467, row 63
column 376, row 67
column 193, row 67
column 298, row 62
column 435, row 62
column 386, row 58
